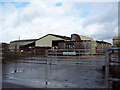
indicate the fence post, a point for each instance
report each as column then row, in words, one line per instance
column 106, row 66
column 79, row 54
column 46, row 55
column 56, row 56
column 67, row 57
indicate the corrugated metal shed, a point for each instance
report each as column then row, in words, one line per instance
column 27, row 40
column 46, row 41
column 116, row 37
column 86, row 38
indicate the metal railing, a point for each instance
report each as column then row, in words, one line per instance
column 112, row 58
column 70, row 55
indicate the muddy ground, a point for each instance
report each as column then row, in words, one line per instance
column 34, row 73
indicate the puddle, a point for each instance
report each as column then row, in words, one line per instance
column 12, row 78
column 85, row 87
column 45, row 83
column 14, row 71
column 64, row 75
column 5, row 76
column 71, row 86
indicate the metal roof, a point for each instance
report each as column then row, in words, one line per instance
column 86, row 38
column 103, row 42
column 116, row 37
column 59, row 36
column 24, row 40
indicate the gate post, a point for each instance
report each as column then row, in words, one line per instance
column 46, row 56
column 106, row 67
column 56, row 56
column 79, row 54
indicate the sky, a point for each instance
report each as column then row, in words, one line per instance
column 33, row 19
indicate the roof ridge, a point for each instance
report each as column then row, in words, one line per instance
column 87, row 37
column 60, row 36
column 24, row 40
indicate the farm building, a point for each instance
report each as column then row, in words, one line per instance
column 116, row 41
column 14, row 45
column 58, row 42
column 4, row 49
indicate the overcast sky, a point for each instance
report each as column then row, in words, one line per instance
column 32, row 20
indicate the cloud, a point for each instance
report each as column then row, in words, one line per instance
column 35, row 19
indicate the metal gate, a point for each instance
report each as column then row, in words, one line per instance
column 112, row 67
column 72, row 56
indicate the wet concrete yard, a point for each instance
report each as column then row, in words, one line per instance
column 36, row 74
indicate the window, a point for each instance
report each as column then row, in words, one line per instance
column 69, row 45
column 21, row 50
column 73, row 38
